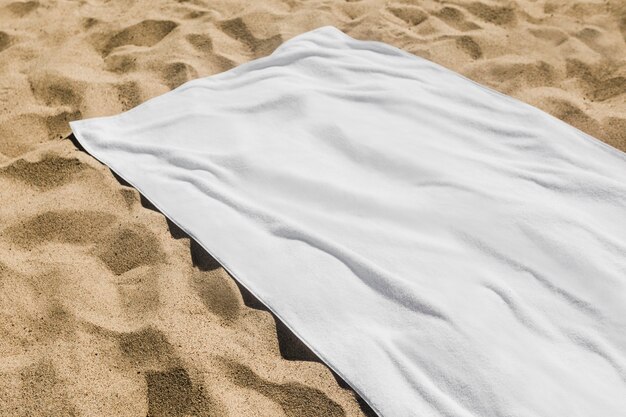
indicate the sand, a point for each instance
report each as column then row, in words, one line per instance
column 106, row 308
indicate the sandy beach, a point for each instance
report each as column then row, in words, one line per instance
column 106, row 307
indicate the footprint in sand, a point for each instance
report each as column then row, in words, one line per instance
column 21, row 9
column 455, row 18
column 513, row 73
column 130, row 196
column 608, row 88
column 554, row 36
column 63, row 226
column 572, row 114
column 498, row 15
column 120, row 63
column 41, row 393
column 145, row 33
column 129, row 94
column 172, row 393
column 128, row 247
column 202, row 43
column 237, row 29
column 468, row 45
column 49, row 172
column 5, row 41
column 177, row 73
column 56, row 90
column 58, row 124
column 413, row 15
column 598, row 88
column 62, row 93
column 218, row 293
column 90, row 22
column 296, row 400
column 147, row 348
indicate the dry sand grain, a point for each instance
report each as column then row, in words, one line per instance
column 105, row 308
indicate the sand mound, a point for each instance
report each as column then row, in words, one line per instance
column 105, row 308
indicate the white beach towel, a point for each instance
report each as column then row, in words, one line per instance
column 446, row 249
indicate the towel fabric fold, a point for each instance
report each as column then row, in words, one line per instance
column 446, row 249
